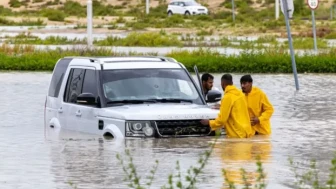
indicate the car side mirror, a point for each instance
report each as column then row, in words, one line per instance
column 214, row 96
column 86, row 99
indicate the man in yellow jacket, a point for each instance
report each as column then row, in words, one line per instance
column 233, row 114
column 260, row 109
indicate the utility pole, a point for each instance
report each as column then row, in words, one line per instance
column 147, row 6
column 276, row 9
column 233, row 9
column 89, row 23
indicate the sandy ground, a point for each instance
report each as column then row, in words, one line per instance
column 71, row 20
column 212, row 4
column 4, row 3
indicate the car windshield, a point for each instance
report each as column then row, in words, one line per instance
column 149, row 85
column 191, row 3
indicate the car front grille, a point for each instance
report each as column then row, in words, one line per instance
column 201, row 9
column 181, row 128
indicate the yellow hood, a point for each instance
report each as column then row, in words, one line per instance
column 259, row 106
column 232, row 90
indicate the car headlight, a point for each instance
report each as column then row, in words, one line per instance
column 139, row 128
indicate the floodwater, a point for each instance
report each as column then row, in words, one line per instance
column 31, row 157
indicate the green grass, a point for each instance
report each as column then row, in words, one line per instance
column 162, row 39
column 50, row 40
column 24, row 22
column 271, row 61
column 26, row 58
column 17, row 3
column 148, row 39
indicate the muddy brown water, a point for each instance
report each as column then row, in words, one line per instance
column 304, row 127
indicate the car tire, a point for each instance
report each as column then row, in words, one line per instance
column 170, row 13
column 187, row 13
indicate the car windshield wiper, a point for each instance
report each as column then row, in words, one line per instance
column 130, row 101
column 179, row 100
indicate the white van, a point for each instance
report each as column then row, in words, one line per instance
column 127, row 97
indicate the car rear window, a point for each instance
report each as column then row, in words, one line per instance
column 57, row 77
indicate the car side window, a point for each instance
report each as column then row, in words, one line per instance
column 89, row 83
column 57, row 77
column 74, row 85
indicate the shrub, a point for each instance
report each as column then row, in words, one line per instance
column 54, row 15
column 57, row 16
column 5, row 11
column 100, row 9
column 15, row 3
column 249, row 61
column 147, row 39
column 73, row 9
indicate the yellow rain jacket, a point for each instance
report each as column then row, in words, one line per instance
column 259, row 106
column 233, row 115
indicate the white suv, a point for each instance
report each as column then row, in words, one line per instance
column 127, row 97
column 186, row 7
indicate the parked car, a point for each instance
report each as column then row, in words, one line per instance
column 186, row 7
column 127, row 97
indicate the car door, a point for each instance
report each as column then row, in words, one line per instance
column 182, row 8
column 53, row 100
column 67, row 111
column 86, row 115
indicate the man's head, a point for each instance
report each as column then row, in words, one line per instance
column 207, row 82
column 226, row 80
column 246, row 82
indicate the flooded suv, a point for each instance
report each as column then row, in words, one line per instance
column 127, row 97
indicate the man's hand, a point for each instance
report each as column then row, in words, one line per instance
column 205, row 122
column 254, row 121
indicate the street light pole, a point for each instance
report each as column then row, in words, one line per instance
column 89, row 23
column 233, row 9
column 147, row 6
column 276, row 9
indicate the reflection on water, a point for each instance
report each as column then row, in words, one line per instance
column 237, row 154
column 32, row 157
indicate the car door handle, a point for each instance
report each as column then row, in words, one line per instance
column 60, row 110
column 78, row 113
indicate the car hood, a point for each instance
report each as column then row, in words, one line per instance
column 159, row 112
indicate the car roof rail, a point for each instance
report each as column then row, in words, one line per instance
column 97, row 59
column 92, row 59
column 111, row 59
column 164, row 58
